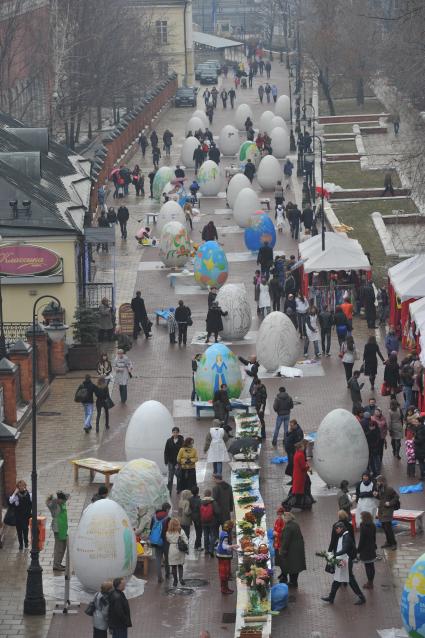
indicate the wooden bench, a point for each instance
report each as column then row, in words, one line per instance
column 265, row 201
column 153, row 216
column 96, row 465
column 235, row 405
column 413, row 517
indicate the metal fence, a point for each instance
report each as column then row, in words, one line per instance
column 95, row 292
column 16, row 331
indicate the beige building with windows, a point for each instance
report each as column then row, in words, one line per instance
column 171, row 24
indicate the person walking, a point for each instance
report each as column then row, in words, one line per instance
column 388, row 185
column 292, row 551
column 326, row 321
column 345, row 518
column 179, row 545
column 167, row 139
column 171, row 450
column 104, row 367
column 355, row 390
column 371, row 353
column 348, row 356
column 388, row 503
column 141, row 320
column 267, row 91
column 84, row 395
column 224, row 96
column 268, row 68
column 184, row 515
column 392, row 342
column 208, row 514
column 395, row 427
column 123, row 216
column 275, row 290
column 341, row 325
column 103, row 401
column 373, row 438
column 382, row 426
column 106, row 326
column 58, row 510
column 301, row 306
column 22, row 507
column 300, row 492
column 392, row 374
column 261, row 93
column 294, row 436
column 274, row 93
column 265, row 259
column 214, row 323
column 143, row 143
column 279, row 196
column 250, row 170
column 396, row 123
column 158, row 540
column 223, row 496
column 215, row 447
column 346, row 553
column 156, row 156
column 209, row 232
column 101, row 610
column 282, row 405
column 183, row 316
column 366, row 549
column 222, row 406
column 232, row 97
column 288, row 167
column 187, row 458
column 366, row 497
column 224, row 555
column 260, row 399
column 119, row 618
column 312, row 332
column 123, row 368
column 367, row 297
column 344, row 498
column 407, row 381
column 195, row 515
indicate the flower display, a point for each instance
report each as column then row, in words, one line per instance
column 258, row 512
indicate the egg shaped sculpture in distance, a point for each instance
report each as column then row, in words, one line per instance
column 340, row 450
column 218, row 365
column 242, row 112
column 245, row 206
column 280, row 142
column 269, row 172
column 249, row 151
column 412, row 606
column 202, row 116
column 189, row 146
column 260, row 230
column 236, row 184
column 209, row 179
column 140, row 489
column 282, row 107
column 104, row 545
column 228, row 140
column 194, row 124
column 233, row 299
column 171, row 211
column 210, row 265
column 174, row 245
column 163, row 175
column 148, row 430
column 265, row 119
column 277, row 342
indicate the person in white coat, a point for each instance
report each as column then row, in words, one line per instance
column 264, row 300
column 312, row 331
column 345, row 553
column 215, row 445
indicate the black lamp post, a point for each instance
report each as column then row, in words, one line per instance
column 292, row 143
column 313, row 185
column 35, row 603
column 322, row 196
column 3, row 351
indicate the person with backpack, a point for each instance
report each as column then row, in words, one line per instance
column 388, row 503
column 208, row 515
column 195, row 514
column 84, row 395
column 101, row 610
column 158, row 539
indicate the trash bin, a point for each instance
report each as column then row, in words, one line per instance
column 41, row 524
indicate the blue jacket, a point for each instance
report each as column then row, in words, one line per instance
column 392, row 343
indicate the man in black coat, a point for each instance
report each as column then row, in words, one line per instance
column 214, row 154
column 294, row 222
column 348, row 548
column 199, row 157
column 260, row 398
column 214, row 321
column 367, row 295
column 154, row 138
column 282, row 405
column 143, row 143
column 140, row 316
column 123, row 216
column 326, row 322
column 265, row 259
column 293, row 436
column 251, row 369
column 307, row 217
column 249, row 170
column 119, row 618
column 183, row 317
column 171, row 450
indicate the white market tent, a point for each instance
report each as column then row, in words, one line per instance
column 408, row 278
column 341, row 253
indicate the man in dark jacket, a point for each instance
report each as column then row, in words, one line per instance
column 209, row 232
column 419, row 444
column 154, row 138
column 123, row 216
column 214, row 154
column 294, row 435
column 161, row 551
column 167, row 138
column 223, row 496
column 156, row 156
column 275, row 291
column 172, row 447
column 101, row 494
column 265, row 259
column 119, row 618
column 249, row 170
column 367, row 295
column 260, row 398
column 232, row 97
column 222, row 406
column 199, row 158
column 294, row 221
column 307, row 217
column 140, row 316
column 373, row 437
column 389, row 501
column 151, row 177
column 251, row 369
column 183, row 317
column 355, row 390
column 143, row 143
column 214, row 321
column 326, row 322
column 282, row 405
column 348, row 548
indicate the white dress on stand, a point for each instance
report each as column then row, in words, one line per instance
column 366, row 503
column 217, row 452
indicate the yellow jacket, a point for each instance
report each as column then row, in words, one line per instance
column 187, row 457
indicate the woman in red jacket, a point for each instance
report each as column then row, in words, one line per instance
column 300, row 493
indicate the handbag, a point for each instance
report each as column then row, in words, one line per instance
column 90, row 609
column 385, row 391
column 189, row 321
column 329, row 569
column 182, row 546
column 109, row 403
column 81, row 395
column 10, row 516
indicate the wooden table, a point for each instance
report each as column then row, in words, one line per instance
column 413, row 517
column 144, row 560
column 96, row 465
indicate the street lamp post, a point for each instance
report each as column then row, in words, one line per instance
column 313, row 194
column 35, row 603
column 3, row 351
column 292, row 143
column 322, row 196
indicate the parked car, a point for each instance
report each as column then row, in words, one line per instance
column 215, row 63
column 185, row 96
column 208, row 76
column 204, row 66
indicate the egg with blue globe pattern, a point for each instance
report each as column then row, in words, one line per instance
column 260, row 231
column 210, row 265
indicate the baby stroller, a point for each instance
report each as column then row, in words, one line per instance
column 243, row 83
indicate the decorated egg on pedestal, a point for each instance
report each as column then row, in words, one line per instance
column 202, row 116
column 174, row 246
column 236, row 184
column 282, row 107
column 149, row 428
column 218, row 365
column 277, row 121
column 171, row 211
column 188, row 148
column 260, row 230
column 194, row 124
column 246, row 205
column 242, row 112
column 162, row 176
column 140, row 489
column 228, row 141
column 265, row 119
column 277, row 342
column 413, row 600
column 104, row 545
column 209, row 179
column 338, row 432
column 233, row 299
column 210, row 265
column 280, row 142
column 249, row 151
column 269, row 172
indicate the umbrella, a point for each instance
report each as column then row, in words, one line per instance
column 114, row 172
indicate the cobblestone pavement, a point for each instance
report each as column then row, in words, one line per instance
column 163, row 373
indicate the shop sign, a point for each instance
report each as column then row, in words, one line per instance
column 22, row 260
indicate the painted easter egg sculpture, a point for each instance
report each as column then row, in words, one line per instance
column 413, row 600
column 260, row 230
column 210, row 266
column 218, row 365
column 209, row 179
column 174, row 247
column 163, row 175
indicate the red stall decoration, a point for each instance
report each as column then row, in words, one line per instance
column 407, row 283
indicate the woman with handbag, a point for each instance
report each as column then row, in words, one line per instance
column 391, row 376
column 367, row 547
column 179, row 547
column 371, row 353
column 103, row 400
column 187, row 459
column 104, row 367
column 98, row 609
column 348, row 355
column 21, row 505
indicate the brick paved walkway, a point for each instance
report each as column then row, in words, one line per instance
column 164, row 374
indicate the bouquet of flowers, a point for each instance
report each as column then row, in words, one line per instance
column 246, row 498
column 246, row 528
column 245, row 474
column 249, row 516
column 243, row 485
column 258, row 512
column 331, row 561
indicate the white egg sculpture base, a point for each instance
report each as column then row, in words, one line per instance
column 140, row 489
column 233, row 298
column 269, row 172
column 340, row 450
column 54, row 588
column 104, row 545
column 245, row 206
column 228, row 140
column 277, row 342
column 148, row 430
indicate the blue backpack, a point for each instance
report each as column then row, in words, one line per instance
column 155, row 536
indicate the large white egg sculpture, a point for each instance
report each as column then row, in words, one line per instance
column 140, row 489
column 339, row 432
column 246, row 205
column 233, row 298
column 236, row 184
column 265, row 119
column 202, row 116
column 171, row 211
column 104, row 545
column 277, row 121
column 228, row 140
column 280, row 142
column 242, row 112
column 174, row 245
column 194, row 124
column 277, row 342
column 282, row 107
column 188, row 148
column 148, row 430
column 209, row 179
column 269, row 172
column 162, row 176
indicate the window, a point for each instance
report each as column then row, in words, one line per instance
column 161, row 32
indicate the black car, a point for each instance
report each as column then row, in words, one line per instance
column 208, row 76
column 185, row 96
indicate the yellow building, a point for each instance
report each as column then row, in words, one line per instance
column 171, row 25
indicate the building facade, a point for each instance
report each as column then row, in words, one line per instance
column 226, row 17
